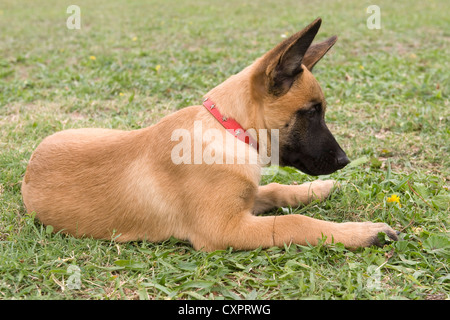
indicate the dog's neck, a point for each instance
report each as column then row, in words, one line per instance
column 240, row 97
column 234, row 98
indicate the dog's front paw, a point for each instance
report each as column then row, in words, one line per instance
column 366, row 234
column 320, row 189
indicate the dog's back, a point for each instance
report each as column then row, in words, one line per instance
column 106, row 183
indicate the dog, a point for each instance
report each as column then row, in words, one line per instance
column 130, row 185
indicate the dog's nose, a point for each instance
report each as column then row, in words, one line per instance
column 342, row 160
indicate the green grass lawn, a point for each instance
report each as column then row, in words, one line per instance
column 132, row 62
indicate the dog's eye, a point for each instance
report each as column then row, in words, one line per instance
column 310, row 112
column 315, row 109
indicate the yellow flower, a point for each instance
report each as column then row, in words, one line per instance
column 157, row 68
column 134, row 38
column 417, row 230
column 92, row 58
column 121, row 94
column 361, row 67
column 394, row 198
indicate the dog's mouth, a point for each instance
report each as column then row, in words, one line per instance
column 325, row 164
column 310, row 147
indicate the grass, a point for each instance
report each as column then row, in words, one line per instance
column 132, row 63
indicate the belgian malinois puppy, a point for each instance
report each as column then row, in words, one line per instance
column 151, row 184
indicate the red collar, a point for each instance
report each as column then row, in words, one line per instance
column 230, row 124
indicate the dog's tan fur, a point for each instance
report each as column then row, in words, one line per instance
column 109, row 183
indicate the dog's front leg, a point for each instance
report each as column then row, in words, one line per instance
column 275, row 195
column 247, row 232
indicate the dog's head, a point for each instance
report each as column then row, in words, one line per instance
column 293, row 102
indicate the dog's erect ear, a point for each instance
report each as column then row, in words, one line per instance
column 284, row 62
column 317, row 51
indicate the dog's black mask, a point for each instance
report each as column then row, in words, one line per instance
column 307, row 144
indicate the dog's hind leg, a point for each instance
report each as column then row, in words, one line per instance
column 275, row 195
